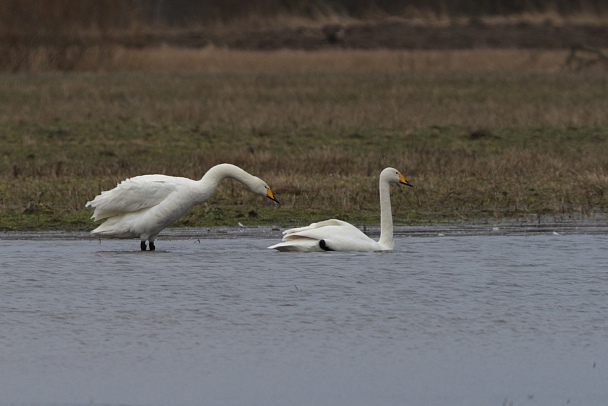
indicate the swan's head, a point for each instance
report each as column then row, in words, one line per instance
column 392, row 175
column 261, row 188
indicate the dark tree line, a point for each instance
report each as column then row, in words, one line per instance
column 191, row 11
column 102, row 14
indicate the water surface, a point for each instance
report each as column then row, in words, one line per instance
column 454, row 316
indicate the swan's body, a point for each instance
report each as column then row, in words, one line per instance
column 141, row 207
column 337, row 235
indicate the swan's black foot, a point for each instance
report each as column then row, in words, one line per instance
column 324, row 246
column 143, row 246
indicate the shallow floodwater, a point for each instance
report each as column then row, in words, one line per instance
column 470, row 316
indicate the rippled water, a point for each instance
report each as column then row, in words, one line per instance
column 453, row 317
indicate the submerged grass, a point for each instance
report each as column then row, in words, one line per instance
column 475, row 146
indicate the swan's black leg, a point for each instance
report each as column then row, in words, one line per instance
column 143, row 245
column 152, row 247
column 324, row 246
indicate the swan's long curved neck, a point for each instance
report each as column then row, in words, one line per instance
column 211, row 180
column 386, row 215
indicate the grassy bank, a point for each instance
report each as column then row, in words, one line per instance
column 488, row 145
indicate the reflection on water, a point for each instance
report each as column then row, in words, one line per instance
column 501, row 315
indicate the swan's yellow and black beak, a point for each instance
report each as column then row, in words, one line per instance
column 404, row 182
column 270, row 195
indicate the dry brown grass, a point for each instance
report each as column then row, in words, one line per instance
column 474, row 144
column 548, row 17
column 218, row 60
column 328, row 102
column 211, row 59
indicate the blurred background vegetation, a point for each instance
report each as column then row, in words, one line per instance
column 42, row 35
column 37, row 16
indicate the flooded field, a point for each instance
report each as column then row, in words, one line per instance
column 478, row 315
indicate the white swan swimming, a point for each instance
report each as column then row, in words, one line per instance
column 337, row 235
column 141, row 207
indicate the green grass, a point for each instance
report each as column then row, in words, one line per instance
column 475, row 147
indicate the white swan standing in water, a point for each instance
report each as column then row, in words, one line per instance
column 141, row 207
column 337, row 235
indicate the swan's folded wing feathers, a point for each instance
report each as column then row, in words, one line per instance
column 326, row 229
column 320, row 224
column 340, row 236
column 134, row 194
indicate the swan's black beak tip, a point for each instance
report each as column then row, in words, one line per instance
column 270, row 195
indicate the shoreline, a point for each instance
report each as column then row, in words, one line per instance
column 555, row 225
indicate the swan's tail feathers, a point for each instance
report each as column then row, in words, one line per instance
column 104, row 230
column 98, row 204
column 112, row 228
column 100, row 212
column 90, row 205
column 107, row 208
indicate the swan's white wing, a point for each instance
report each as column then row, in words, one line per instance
column 140, row 192
column 337, row 235
column 320, row 224
column 324, row 229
